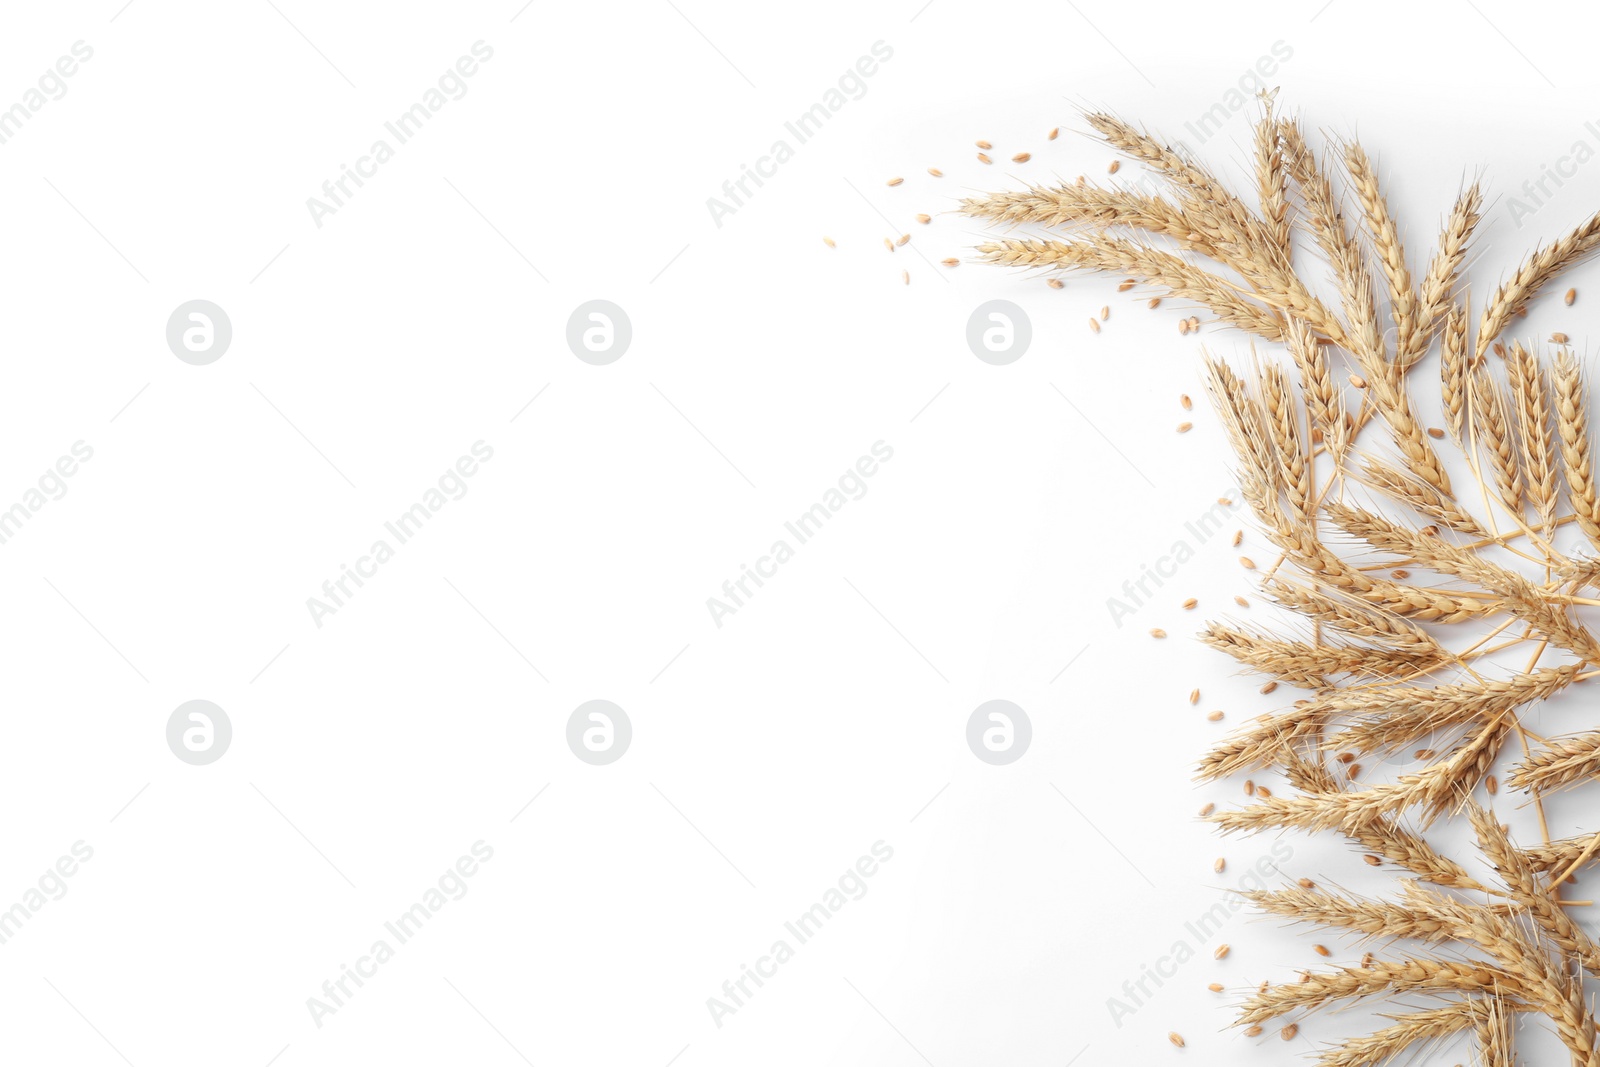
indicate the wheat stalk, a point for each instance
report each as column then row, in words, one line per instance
column 1411, row 592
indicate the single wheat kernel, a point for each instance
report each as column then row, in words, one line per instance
column 1435, row 433
column 1123, row 287
column 896, row 181
column 1094, row 325
column 1188, row 605
column 1158, row 633
column 1351, row 771
column 1054, row 133
column 1247, row 563
column 888, row 244
column 1249, row 788
column 1263, row 791
column 1400, row 575
column 1492, row 784
column 1254, row 1031
column 1321, row 950
column 1345, row 757
column 1358, row 381
column 936, row 172
column 1022, row 157
column 1207, row 809
column 983, row 158
column 1055, row 283
column 1154, row 302
column 1215, row 716
column 1572, row 294
column 1241, row 601
column 905, row 276
column 1372, row 861
column 1116, row 165
column 1216, row 987
column 905, row 237
column 1220, row 866
column 1366, row 959
column 1175, row 1038
column 1183, row 398
column 1194, row 696
column 829, row 242
column 1269, row 687
column 1185, row 427
column 1288, row 1032
column 924, row 219
column 1183, row 325
column 1559, row 338
column 951, row 262
column 1426, row 753
column 983, row 144
column 1105, row 313
column 1238, row 538
column 1222, row 951
column 1306, row 883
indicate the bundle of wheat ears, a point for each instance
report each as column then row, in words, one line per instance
column 1426, row 613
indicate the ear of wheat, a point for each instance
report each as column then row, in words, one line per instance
column 1412, row 589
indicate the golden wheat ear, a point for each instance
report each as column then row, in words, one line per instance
column 1430, row 576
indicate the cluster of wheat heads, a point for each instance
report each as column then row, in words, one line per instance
column 1425, row 614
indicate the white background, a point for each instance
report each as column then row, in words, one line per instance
column 768, row 754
